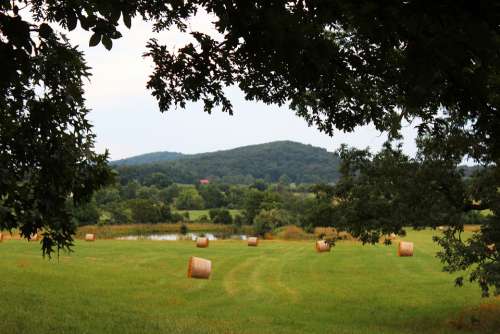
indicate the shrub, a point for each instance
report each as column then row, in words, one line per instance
column 177, row 217
column 85, row 214
column 220, row 216
column 183, row 229
column 144, row 211
column 325, row 233
column 292, row 232
column 203, row 218
column 238, row 220
column 268, row 220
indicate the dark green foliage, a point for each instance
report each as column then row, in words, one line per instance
column 148, row 158
column 107, row 195
column 177, row 217
column 268, row 220
column 145, row 211
column 168, row 194
column 293, row 162
column 320, row 210
column 220, row 216
column 212, row 196
column 46, row 143
column 259, row 184
column 385, row 193
column 253, row 200
column 157, row 179
column 129, row 191
column 183, row 229
column 189, row 199
column 119, row 214
column 86, row 214
column 145, row 192
column 238, row 220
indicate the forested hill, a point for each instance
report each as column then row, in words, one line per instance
column 148, row 158
column 288, row 160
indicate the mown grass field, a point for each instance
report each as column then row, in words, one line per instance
column 279, row 287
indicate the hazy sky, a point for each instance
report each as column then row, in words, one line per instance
column 127, row 120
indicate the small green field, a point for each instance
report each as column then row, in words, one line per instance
column 278, row 287
column 197, row 214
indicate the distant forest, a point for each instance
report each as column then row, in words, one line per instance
column 277, row 161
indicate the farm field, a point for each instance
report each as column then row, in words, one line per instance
column 278, row 287
column 197, row 214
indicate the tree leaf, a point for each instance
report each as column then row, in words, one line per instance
column 71, row 21
column 45, row 30
column 116, row 34
column 115, row 14
column 95, row 39
column 127, row 20
column 107, row 42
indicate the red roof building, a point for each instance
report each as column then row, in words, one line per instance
column 204, row 181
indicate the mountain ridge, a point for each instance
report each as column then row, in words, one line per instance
column 297, row 161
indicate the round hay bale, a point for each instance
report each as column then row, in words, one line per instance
column 33, row 237
column 202, row 242
column 1, row 237
column 199, row 268
column 322, row 246
column 405, row 248
column 253, row 241
column 392, row 236
column 89, row 237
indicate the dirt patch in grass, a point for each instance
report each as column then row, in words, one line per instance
column 23, row 263
column 484, row 319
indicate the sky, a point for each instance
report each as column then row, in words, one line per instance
column 127, row 120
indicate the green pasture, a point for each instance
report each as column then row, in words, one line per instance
column 196, row 214
column 122, row 287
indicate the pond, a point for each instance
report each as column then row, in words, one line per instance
column 178, row 236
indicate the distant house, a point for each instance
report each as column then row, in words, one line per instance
column 204, row 181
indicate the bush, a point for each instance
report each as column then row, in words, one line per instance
column 268, row 220
column 177, row 217
column 85, row 214
column 220, row 216
column 292, row 232
column 144, row 211
column 183, row 229
column 238, row 220
column 325, row 233
column 203, row 218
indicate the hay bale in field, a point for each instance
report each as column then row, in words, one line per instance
column 322, row 246
column 202, row 242
column 1, row 237
column 199, row 268
column 33, row 237
column 89, row 237
column 253, row 241
column 405, row 248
